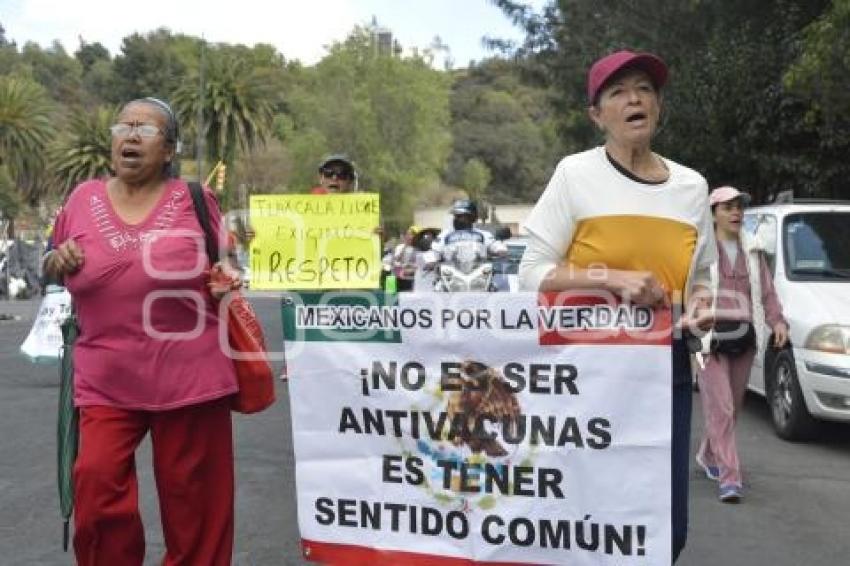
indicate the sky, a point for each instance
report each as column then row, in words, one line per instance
column 299, row 29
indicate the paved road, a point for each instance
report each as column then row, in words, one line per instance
column 796, row 511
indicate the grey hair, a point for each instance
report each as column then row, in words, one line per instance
column 172, row 130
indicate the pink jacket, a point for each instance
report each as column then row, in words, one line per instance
column 734, row 287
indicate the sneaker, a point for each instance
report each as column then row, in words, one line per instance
column 730, row 493
column 711, row 472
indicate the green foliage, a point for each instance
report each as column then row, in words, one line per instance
column 263, row 170
column 505, row 124
column 55, row 70
column 91, row 53
column 389, row 113
column 729, row 113
column 85, row 150
column 154, row 64
column 236, row 106
column 822, row 67
column 476, row 178
column 25, row 128
column 10, row 203
column 757, row 98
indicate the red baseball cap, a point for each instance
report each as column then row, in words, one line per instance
column 608, row 66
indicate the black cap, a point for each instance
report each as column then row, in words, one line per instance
column 337, row 158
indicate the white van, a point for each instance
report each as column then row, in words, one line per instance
column 807, row 246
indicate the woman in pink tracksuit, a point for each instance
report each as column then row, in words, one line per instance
column 743, row 291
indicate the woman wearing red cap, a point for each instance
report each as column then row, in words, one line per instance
column 740, row 274
column 645, row 218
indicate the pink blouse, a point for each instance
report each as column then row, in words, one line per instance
column 149, row 334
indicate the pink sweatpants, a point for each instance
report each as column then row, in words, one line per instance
column 723, row 384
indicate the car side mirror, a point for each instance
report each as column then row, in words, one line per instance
column 764, row 238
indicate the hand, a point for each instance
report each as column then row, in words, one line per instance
column 638, row 287
column 698, row 322
column 698, row 317
column 223, row 279
column 780, row 334
column 65, row 259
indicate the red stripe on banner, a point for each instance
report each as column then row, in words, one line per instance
column 350, row 555
column 561, row 312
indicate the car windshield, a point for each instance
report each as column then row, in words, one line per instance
column 509, row 264
column 818, row 246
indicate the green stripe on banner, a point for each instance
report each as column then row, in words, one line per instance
column 342, row 316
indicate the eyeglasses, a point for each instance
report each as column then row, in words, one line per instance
column 336, row 174
column 123, row 130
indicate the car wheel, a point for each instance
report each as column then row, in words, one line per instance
column 791, row 418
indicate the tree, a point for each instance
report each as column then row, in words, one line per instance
column 476, row 178
column 85, row 151
column 9, row 59
column 821, row 69
column 55, row 70
column 90, row 53
column 819, row 77
column 507, row 125
column 154, row 64
column 264, row 170
column 730, row 114
column 236, row 106
column 10, row 201
column 25, row 128
column 389, row 113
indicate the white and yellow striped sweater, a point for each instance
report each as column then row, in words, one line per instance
column 591, row 216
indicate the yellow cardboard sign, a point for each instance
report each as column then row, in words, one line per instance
column 315, row 241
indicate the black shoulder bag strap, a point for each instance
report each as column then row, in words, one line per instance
column 203, row 214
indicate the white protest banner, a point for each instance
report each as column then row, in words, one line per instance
column 480, row 429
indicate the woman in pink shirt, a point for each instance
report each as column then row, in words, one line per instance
column 744, row 293
column 132, row 254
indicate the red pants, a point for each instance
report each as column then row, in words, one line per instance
column 193, row 467
column 722, row 388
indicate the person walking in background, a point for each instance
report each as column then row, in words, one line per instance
column 405, row 260
column 644, row 217
column 744, row 300
column 131, row 252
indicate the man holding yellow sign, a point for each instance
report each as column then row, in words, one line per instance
column 317, row 241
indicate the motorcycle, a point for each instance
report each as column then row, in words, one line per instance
column 464, row 266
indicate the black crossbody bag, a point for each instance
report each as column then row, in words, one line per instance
column 733, row 337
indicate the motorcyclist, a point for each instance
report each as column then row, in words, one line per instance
column 465, row 214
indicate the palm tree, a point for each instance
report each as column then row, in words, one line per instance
column 237, row 107
column 85, row 151
column 25, row 129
